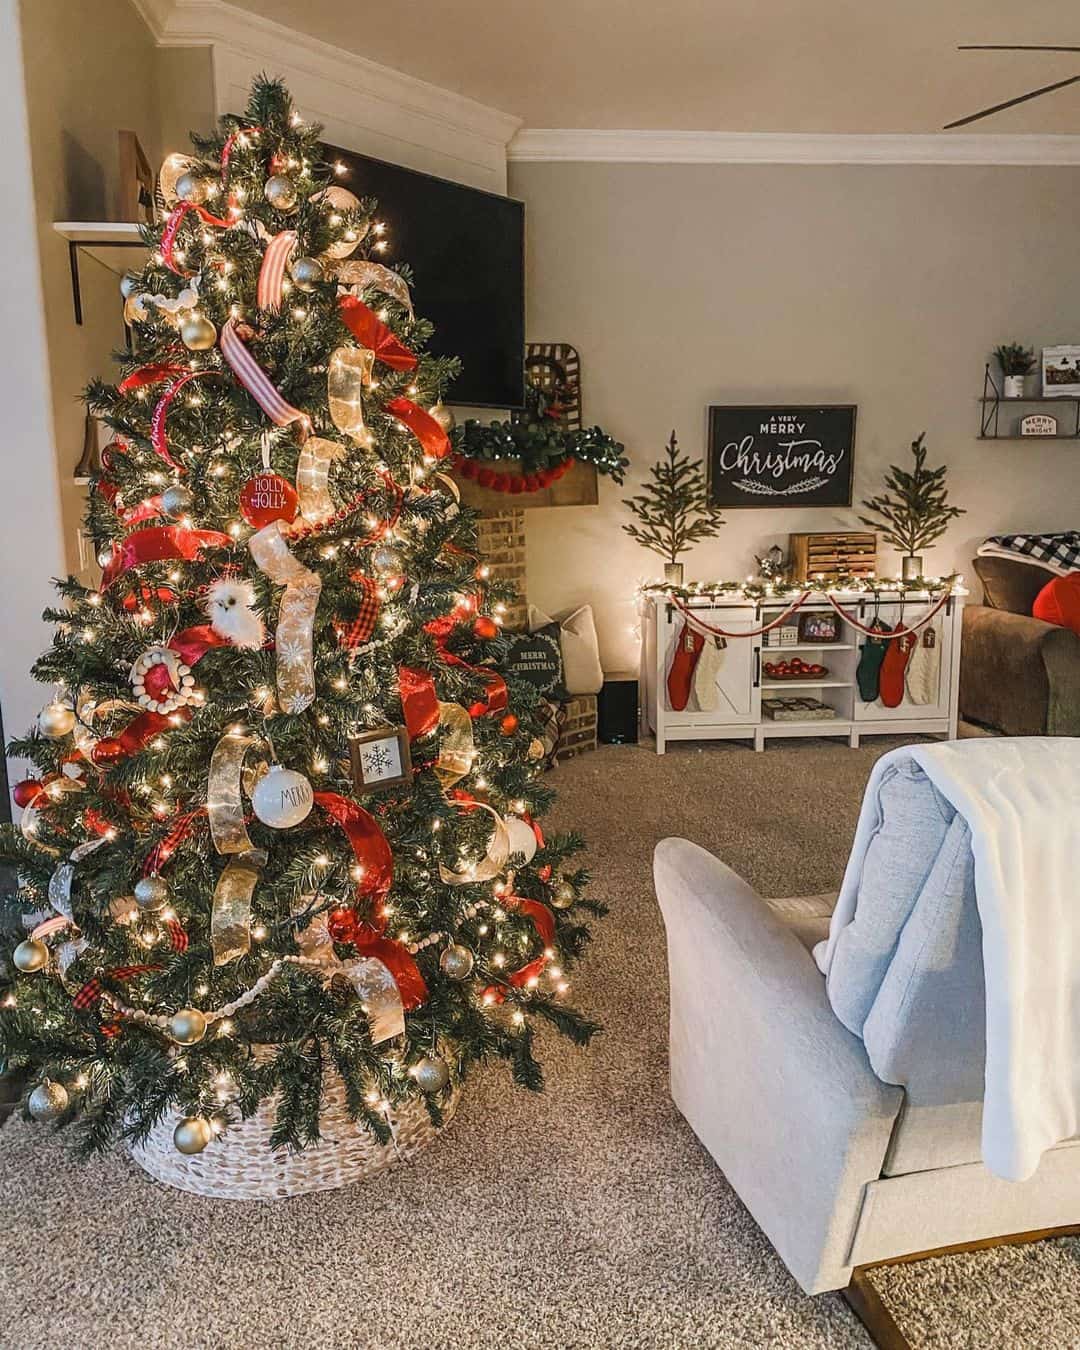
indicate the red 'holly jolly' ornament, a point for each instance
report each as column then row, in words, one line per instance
column 268, row 497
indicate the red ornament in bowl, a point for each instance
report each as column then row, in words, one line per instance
column 268, row 497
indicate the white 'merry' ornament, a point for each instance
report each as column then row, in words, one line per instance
column 522, row 837
column 230, row 607
column 282, row 797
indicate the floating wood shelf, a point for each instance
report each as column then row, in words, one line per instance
column 102, row 240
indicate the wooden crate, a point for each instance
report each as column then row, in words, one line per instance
column 822, row 554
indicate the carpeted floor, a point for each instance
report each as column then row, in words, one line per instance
column 589, row 1216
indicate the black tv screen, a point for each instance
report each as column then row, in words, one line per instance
column 466, row 249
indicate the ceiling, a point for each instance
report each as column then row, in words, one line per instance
column 860, row 66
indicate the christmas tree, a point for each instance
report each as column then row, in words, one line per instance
column 284, row 820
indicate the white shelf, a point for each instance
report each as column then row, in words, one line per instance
column 824, row 683
column 810, row 647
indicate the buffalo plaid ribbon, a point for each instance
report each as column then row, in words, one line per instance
column 351, row 635
column 92, row 990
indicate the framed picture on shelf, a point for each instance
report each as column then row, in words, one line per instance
column 1061, row 372
column 820, row 628
column 380, row 759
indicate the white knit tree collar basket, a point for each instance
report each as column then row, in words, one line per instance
column 240, row 1164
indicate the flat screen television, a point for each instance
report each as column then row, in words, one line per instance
column 466, row 249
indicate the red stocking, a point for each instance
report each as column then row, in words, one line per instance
column 681, row 675
column 891, row 685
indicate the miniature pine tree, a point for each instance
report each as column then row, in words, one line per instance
column 673, row 508
column 283, row 820
column 915, row 510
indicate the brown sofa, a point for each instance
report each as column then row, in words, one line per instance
column 1019, row 676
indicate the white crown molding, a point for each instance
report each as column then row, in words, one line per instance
column 537, row 145
column 214, row 23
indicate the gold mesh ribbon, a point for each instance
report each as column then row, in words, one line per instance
column 223, row 802
column 347, row 376
column 457, row 750
column 493, row 864
column 361, row 274
column 312, row 472
column 230, row 919
column 86, row 709
column 375, row 986
column 296, row 617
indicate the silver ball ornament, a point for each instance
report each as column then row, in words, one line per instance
column 30, row 956
column 130, row 284
column 457, row 962
column 192, row 1134
column 192, row 187
column 444, row 416
column 282, row 798
column 280, row 192
column 151, row 893
column 387, row 560
column 48, row 1100
column 176, row 500
column 430, row 1074
column 56, row 720
column 563, row 896
column 197, row 333
column 187, row 1027
column 306, row 273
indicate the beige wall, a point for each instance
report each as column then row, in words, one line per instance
column 883, row 286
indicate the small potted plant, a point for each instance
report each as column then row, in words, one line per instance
column 1016, row 362
column 673, row 510
column 914, row 511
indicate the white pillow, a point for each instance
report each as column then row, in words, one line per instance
column 582, row 672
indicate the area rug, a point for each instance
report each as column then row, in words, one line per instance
column 586, row 1217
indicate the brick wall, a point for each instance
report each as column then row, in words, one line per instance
column 502, row 545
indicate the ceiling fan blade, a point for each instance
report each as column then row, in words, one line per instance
column 1012, row 102
column 1001, row 47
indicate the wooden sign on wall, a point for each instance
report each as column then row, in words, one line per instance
column 781, row 456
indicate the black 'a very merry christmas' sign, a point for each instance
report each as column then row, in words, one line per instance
column 781, row 456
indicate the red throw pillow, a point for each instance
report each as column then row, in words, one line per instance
column 1059, row 602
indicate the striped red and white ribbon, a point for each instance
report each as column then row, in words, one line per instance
column 256, row 381
column 270, row 291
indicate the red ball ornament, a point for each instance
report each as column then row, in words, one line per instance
column 109, row 750
column 27, row 792
column 268, row 497
column 509, row 724
column 341, row 924
column 94, row 820
column 485, row 628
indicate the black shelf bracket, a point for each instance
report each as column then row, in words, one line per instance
column 74, row 245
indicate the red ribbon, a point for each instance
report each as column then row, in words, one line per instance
column 172, row 226
column 92, row 990
column 497, row 698
column 161, row 543
column 151, row 374
column 158, row 436
column 370, row 331
column 423, row 426
column 193, row 643
column 137, row 734
column 418, row 701
column 165, row 848
column 370, row 848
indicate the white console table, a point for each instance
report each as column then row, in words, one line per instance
column 741, row 683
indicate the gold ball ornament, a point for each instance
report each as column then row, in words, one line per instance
column 192, row 187
column 563, row 895
column 56, row 720
column 387, row 560
column 444, row 416
column 187, row 1027
column 151, row 893
column 339, row 200
column 197, row 333
column 536, row 748
column 280, row 192
column 47, row 1101
column 192, row 1134
column 456, row 962
column 306, row 273
column 30, row 956
column 430, row 1074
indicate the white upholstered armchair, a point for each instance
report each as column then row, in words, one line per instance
column 848, row 1149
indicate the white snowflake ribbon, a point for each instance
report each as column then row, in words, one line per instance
column 294, row 638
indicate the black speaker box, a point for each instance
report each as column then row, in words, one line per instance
column 617, row 710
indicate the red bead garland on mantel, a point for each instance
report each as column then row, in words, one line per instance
column 512, row 481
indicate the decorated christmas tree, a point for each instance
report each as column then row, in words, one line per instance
column 282, row 840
